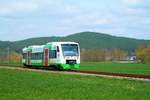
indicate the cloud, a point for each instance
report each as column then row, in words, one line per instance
column 134, row 11
column 102, row 21
column 133, row 2
column 62, row 17
column 142, row 4
column 17, row 7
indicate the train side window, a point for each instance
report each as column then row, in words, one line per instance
column 41, row 56
column 32, row 55
column 57, row 49
column 24, row 55
column 36, row 56
column 52, row 53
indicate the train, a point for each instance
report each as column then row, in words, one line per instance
column 61, row 55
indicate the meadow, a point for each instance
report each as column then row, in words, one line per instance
column 131, row 68
column 28, row 85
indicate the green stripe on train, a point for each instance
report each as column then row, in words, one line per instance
column 37, row 62
column 70, row 66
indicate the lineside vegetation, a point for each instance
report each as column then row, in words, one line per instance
column 27, row 85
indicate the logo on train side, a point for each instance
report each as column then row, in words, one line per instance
column 37, row 50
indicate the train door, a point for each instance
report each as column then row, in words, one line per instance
column 46, row 57
column 25, row 57
column 28, row 57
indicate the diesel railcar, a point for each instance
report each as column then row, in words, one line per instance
column 63, row 55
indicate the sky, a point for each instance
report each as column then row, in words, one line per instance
column 22, row 19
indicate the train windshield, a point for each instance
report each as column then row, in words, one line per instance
column 70, row 49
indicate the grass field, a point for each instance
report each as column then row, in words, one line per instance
column 27, row 85
column 19, row 64
column 131, row 68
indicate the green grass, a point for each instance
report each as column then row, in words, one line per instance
column 131, row 68
column 27, row 85
column 17, row 63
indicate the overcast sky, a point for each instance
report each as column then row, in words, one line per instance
column 21, row 19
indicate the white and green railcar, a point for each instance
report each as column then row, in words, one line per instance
column 63, row 55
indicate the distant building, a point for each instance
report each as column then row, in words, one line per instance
column 131, row 58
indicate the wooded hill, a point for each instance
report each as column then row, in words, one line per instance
column 87, row 40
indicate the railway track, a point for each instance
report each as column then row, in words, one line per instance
column 121, row 75
column 81, row 72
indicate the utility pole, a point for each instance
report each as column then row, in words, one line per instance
column 8, row 54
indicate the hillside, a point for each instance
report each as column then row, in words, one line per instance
column 87, row 40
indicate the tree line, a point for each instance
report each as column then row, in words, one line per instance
column 103, row 55
column 143, row 54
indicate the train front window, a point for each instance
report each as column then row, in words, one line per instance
column 24, row 55
column 70, row 49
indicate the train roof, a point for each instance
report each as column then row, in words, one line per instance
column 62, row 42
column 36, row 46
column 40, row 47
column 25, row 49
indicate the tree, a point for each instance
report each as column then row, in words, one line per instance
column 118, row 54
column 102, row 55
column 143, row 54
column 14, row 57
column 147, row 54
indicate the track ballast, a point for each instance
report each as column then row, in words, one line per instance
column 135, row 76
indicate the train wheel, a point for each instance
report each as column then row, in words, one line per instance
column 59, row 67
